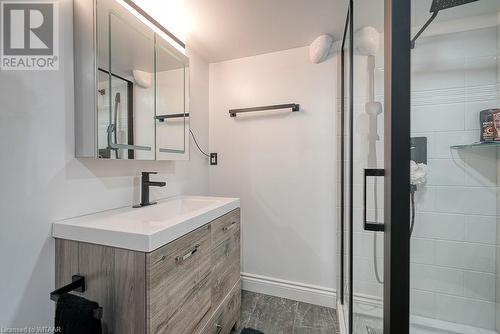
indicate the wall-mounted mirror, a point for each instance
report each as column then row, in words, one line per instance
column 140, row 88
column 172, row 114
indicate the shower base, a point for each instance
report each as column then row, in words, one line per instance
column 366, row 324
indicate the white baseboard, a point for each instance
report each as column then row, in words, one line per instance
column 306, row 293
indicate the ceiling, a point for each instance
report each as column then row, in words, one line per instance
column 228, row 29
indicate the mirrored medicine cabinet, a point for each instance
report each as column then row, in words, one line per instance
column 131, row 86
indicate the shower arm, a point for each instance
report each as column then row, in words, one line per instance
column 429, row 21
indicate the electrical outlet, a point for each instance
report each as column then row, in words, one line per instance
column 213, row 159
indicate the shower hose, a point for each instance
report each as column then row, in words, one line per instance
column 412, row 224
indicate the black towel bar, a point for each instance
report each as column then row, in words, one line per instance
column 162, row 118
column 293, row 106
column 77, row 284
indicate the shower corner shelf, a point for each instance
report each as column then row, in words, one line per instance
column 476, row 145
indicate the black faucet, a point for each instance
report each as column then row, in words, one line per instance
column 145, row 184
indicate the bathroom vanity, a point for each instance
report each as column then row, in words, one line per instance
column 172, row 268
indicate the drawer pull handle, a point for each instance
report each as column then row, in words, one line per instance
column 219, row 329
column 227, row 228
column 181, row 259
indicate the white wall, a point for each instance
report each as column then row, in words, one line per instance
column 41, row 181
column 282, row 166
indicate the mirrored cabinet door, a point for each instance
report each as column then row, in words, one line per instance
column 131, row 85
column 172, row 112
column 125, row 84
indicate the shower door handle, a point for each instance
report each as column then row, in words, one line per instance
column 371, row 226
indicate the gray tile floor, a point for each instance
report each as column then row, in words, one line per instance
column 273, row 315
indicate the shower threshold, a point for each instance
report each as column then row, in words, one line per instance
column 366, row 324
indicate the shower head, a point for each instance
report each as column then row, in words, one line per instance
column 438, row 5
column 367, row 41
column 320, row 48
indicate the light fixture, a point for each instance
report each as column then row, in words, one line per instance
column 153, row 24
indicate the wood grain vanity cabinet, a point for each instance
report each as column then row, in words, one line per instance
column 188, row 286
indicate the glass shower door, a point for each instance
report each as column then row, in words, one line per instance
column 362, row 150
column 375, row 176
column 368, row 166
column 344, row 240
column 441, row 254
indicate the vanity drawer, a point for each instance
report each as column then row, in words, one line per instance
column 177, row 278
column 226, row 267
column 187, row 318
column 223, row 227
column 227, row 315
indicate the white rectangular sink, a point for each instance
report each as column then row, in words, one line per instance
column 145, row 229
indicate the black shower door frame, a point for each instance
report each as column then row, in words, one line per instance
column 397, row 77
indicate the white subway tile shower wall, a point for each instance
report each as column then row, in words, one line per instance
column 497, row 280
column 454, row 247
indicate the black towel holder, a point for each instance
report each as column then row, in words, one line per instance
column 77, row 284
column 293, row 106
